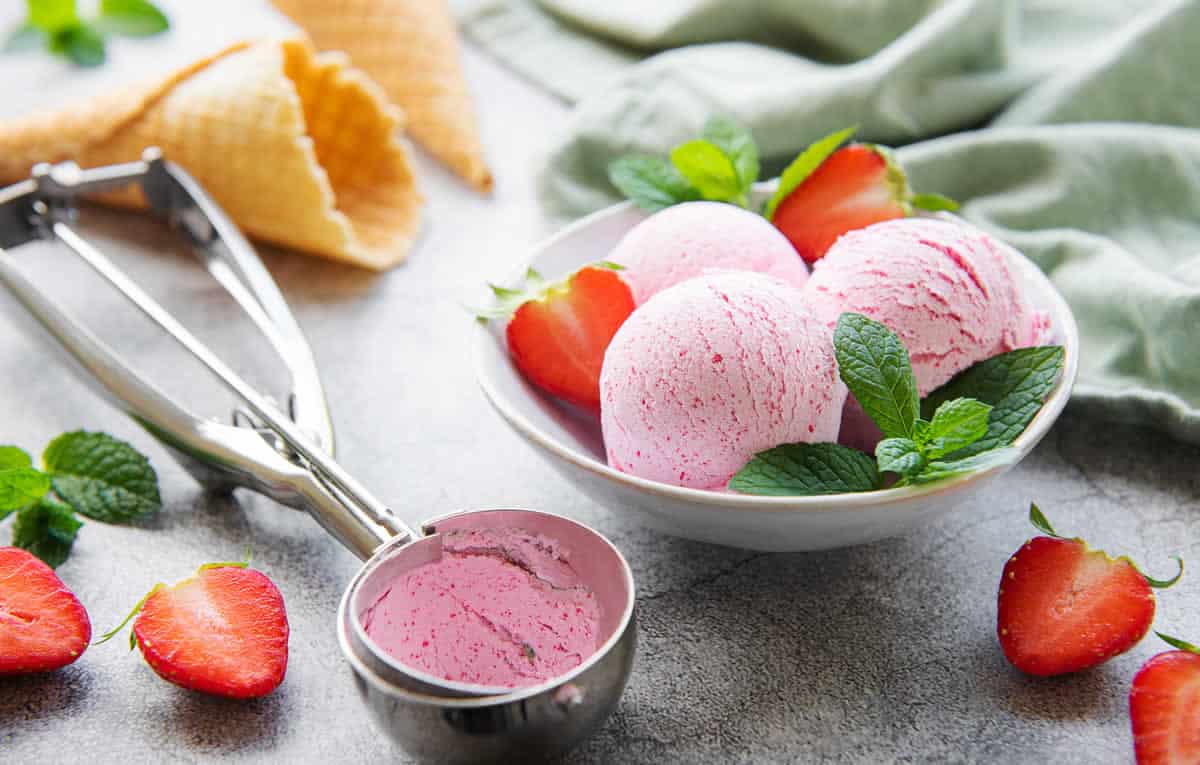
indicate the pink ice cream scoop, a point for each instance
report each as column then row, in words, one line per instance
column 693, row 238
column 502, row 608
column 944, row 288
column 712, row 371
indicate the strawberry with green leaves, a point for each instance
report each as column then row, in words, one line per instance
column 558, row 332
column 828, row 191
column 1164, row 707
column 43, row 626
column 223, row 631
column 1063, row 607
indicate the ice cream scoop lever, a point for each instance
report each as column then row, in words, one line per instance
column 288, row 456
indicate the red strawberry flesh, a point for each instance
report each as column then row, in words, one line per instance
column 43, row 626
column 1063, row 607
column 1164, row 709
column 853, row 188
column 223, row 631
column 558, row 339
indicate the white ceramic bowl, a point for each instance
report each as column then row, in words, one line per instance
column 570, row 440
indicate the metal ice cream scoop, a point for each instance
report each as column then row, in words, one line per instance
column 288, row 457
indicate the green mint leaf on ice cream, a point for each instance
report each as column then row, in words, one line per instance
column 938, row 469
column 650, row 182
column 957, row 423
column 874, row 364
column 1015, row 384
column 807, row 469
column 709, row 170
column 736, row 143
column 963, row 427
column 899, row 455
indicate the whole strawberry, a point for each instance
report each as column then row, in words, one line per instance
column 559, row 332
column 1063, row 607
column 828, row 191
column 43, row 626
column 223, row 631
column 1164, row 707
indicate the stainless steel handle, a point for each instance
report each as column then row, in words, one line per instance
column 278, row 456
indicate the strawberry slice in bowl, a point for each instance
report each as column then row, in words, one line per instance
column 223, row 632
column 828, row 191
column 43, row 626
column 557, row 332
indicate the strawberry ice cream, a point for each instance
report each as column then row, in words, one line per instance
column 694, row 238
column 711, row 371
column 944, row 288
column 501, row 608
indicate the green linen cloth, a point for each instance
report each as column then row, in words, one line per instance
column 1067, row 127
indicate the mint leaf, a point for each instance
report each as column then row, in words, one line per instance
column 1015, row 384
column 20, row 483
column 957, row 423
column 804, row 165
column 806, row 470
column 132, row 18
column 651, row 183
column 52, row 15
column 102, row 477
column 738, row 145
column 933, row 202
column 938, row 469
column 14, row 458
column 899, row 455
column 47, row 529
column 708, row 169
column 80, row 43
column 874, row 364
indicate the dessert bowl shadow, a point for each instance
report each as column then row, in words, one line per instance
column 570, row 439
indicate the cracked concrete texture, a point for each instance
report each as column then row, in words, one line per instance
column 880, row 653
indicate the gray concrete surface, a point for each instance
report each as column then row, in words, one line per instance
column 881, row 653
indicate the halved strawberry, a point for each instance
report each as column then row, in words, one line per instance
column 43, row 626
column 1164, row 707
column 224, row 631
column 828, row 191
column 559, row 332
column 1063, row 607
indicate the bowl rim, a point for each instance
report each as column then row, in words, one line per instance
column 867, row 500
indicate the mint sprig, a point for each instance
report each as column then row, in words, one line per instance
column 807, row 469
column 1015, row 384
column 651, row 182
column 967, row 426
column 721, row 166
column 57, row 25
column 92, row 474
column 875, row 366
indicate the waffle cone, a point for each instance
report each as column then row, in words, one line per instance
column 298, row 148
column 411, row 49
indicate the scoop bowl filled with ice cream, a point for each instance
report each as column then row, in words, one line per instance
column 657, row 395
